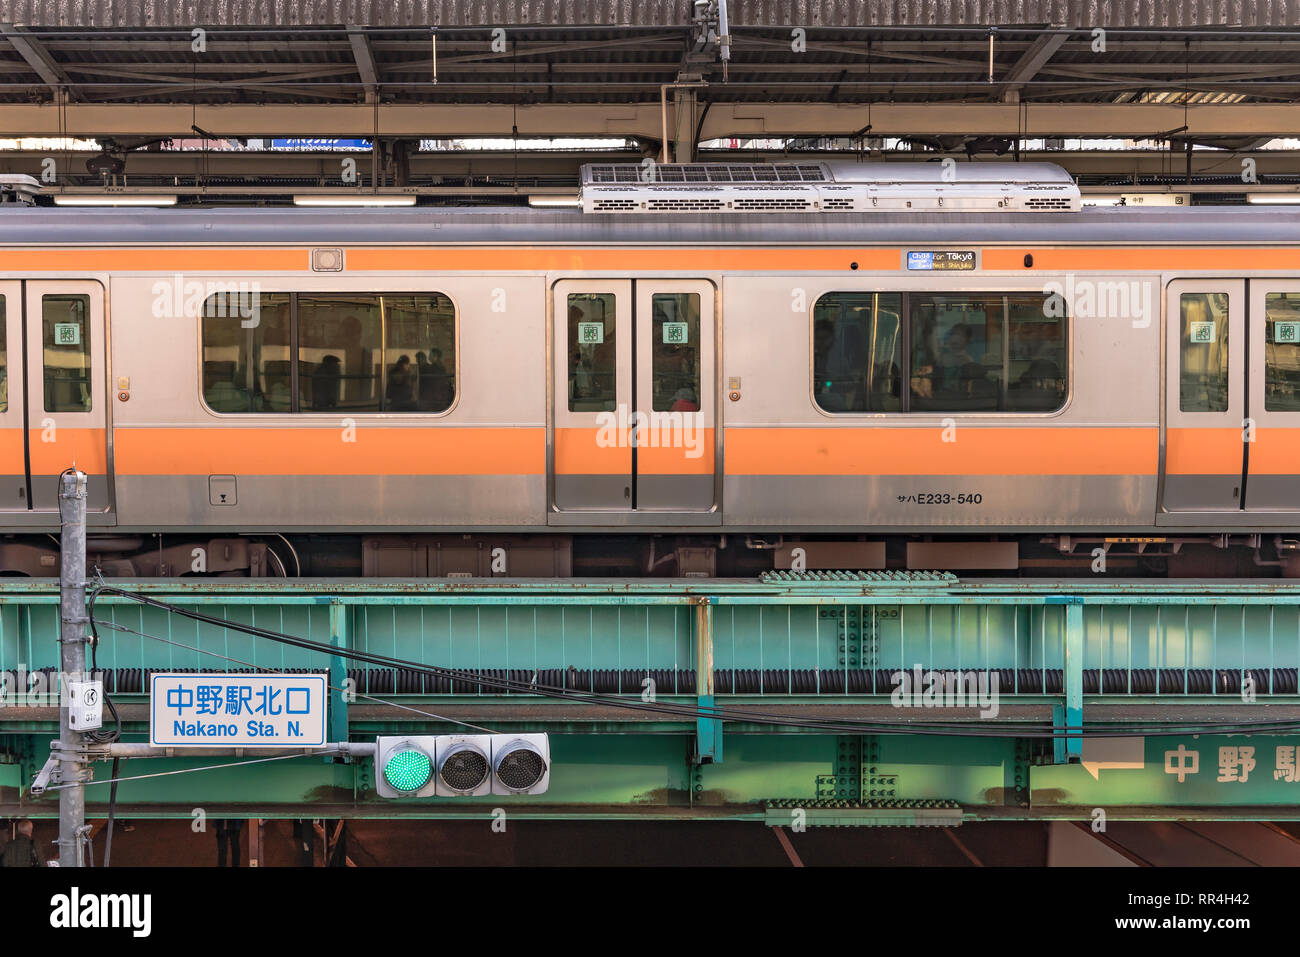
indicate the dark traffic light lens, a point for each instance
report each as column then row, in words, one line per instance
column 464, row 769
column 520, row 768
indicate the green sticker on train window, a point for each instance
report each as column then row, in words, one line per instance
column 1288, row 332
column 675, row 333
column 1201, row 331
column 67, row 334
column 591, row 333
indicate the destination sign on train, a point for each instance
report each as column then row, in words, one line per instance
column 937, row 259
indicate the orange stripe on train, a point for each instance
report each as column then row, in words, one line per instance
column 873, row 450
column 332, row 450
column 1142, row 259
column 61, row 447
column 588, row 451
column 691, row 259
column 1203, row 452
column 1275, row 452
column 149, row 259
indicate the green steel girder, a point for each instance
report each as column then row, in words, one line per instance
column 774, row 634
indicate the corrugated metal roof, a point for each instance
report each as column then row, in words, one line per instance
column 1168, row 14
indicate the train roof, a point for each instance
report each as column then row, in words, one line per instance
column 26, row 226
column 691, row 204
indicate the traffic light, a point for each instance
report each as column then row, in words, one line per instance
column 404, row 766
column 521, row 763
column 462, row 765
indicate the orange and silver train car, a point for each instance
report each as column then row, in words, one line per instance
column 721, row 356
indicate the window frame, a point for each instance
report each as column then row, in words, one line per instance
column 1268, row 293
column 905, row 292
column 87, row 351
column 293, row 293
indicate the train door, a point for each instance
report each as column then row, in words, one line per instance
column 13, row 458
column 1273, row 457
column 1205, row 394
column 65, row 390
column 675, row 395
column 633, row 386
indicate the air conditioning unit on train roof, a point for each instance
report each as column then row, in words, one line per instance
column 946, row 187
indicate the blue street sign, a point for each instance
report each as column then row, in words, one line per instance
column 266, row 711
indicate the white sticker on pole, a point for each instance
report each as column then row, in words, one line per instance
column 260, row 711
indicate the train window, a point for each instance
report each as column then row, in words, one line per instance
column 965, row 352
column 246, row 362
column 4, row 361
column 956, row 360
column 987, row 352
column 593, row 358
column 1036, row 355
column 1203, row 385
column 857, row 352
column 676, row 351
column 65, row 338
column 337, row 352
column 1282, row 352
column 341, row 355
column 420, row 329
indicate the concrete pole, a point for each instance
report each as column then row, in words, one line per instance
column 72, row 659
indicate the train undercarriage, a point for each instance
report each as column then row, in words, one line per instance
column 640, row 555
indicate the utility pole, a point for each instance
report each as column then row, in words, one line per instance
column 72, row 662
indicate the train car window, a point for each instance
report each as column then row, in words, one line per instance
column 65, row 338
column 341, row 356
column 965, row 352
column 957, row 352
column 1282, row 352
column 246, row 360
column 676, row 351
column 419, row 352
column 4, row 361
column 1037, row 359
column 1203, row 376
column 857, row 352
column 593, row 358
column 354, row 352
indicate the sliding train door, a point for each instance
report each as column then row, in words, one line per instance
column 1205, row 397
column 65, row 390
column 13, row 456
column 634, row 404
column 1273, row 452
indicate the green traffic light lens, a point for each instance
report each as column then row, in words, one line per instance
column 408, row 770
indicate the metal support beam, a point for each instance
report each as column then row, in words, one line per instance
column 338, row 708
column 1031, row 61
column 684, row 113
column 708, row 731
column 1073, row 680
column 645, row 120
column 39, row 59
column 365, row 58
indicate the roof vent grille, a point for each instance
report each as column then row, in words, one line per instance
column 822, row 188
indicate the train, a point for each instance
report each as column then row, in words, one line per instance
column 703, row 370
